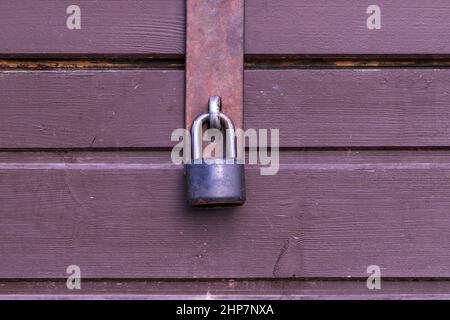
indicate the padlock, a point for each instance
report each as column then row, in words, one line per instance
column 214, row 182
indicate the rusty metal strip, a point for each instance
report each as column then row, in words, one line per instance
column 214, row 57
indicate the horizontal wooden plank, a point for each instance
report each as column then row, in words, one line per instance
column 365, row 107
column 340, row 27
column 91, row 109
column 224, row 289
column 271, row 27
column 326, row 214
column 140, row 108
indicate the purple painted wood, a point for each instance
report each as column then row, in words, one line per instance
column 339, row 26
column 326, row 214
column 140, row 108
column 272, row 27
column 122, row 215
column 90, row 109
column 224, row 289
column 365, row 107
column 107, row 27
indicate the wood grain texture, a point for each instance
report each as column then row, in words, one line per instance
column 90, row 109
column 285, row 289
column 365, row 107
column 140, row 108
column 271, row 27
column 326, row 214
column 339, row 27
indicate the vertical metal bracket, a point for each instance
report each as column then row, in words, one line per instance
column 214, row 57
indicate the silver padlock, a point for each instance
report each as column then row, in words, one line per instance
column 214, row 182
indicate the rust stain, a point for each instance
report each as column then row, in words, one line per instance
column 273, row 62
column 48, row 64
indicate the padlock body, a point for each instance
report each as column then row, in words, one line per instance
column 215, row 184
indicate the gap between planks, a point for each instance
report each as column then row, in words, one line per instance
column 225, row 289
column 251, row 62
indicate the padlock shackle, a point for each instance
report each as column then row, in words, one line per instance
column 214, row 109
column 197, row 133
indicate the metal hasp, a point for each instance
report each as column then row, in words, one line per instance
column 214, row 73
column 215, row 57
